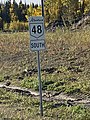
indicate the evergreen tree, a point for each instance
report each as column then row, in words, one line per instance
column 82, row 7
column 22, row 11
column 6, row 12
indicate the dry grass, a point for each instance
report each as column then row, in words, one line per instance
column 67, row 51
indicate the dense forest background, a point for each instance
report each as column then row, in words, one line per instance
column 14, row 16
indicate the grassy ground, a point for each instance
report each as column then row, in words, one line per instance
column 17, row 107
column 65, row 67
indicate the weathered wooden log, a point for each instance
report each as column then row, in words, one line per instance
column 51, row 97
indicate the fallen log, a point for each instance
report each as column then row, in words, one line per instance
column 48, row 96
column 20, row 90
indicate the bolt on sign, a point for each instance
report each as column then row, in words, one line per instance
column 36, row 29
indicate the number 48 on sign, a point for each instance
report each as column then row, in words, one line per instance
column 36, row 28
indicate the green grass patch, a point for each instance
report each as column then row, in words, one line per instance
column 31, row 83
column 1, row 78
column 23, row 107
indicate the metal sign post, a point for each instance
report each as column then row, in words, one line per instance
column 37, row 43
column 40, row 84
column 42, row 4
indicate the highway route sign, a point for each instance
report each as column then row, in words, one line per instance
column 37, row 34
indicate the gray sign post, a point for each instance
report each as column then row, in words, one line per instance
column 40, row 87
column 40, row 84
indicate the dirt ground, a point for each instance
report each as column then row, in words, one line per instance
column 67, row 55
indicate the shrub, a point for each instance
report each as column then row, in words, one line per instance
column 18, row 26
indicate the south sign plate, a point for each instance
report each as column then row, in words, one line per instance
column 36, row 29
